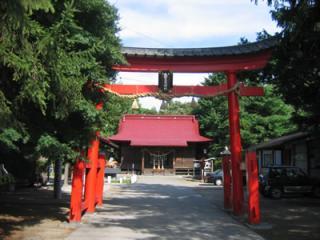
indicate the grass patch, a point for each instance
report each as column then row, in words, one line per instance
column 124, row 181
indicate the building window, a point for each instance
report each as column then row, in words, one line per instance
column 277, row 157
column 314, row 154
column 267, row 158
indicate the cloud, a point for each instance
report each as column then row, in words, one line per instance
column 187, row 23
column 168, row 22
column 152, row 79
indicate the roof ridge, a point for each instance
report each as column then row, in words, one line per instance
column 131, row 116
column 247, row 48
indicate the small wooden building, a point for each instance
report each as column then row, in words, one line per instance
column 299, row 149
column 159, row 144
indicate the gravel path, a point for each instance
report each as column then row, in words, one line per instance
column 159, row 207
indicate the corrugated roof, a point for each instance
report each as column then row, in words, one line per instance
column 202, row 52
column 280, row 140
column 159, row 130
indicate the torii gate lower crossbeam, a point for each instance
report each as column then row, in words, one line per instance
column 181, row 91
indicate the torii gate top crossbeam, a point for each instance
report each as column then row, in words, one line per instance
column 218, row 59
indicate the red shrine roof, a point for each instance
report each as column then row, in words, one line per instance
column 159, row 130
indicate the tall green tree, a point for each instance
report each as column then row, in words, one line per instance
column 17, row 61
column 212, row 114
column 296, row 66
column 54, row 55
column 261, row 118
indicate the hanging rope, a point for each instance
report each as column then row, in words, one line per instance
column 157, row 154
column 166, row 96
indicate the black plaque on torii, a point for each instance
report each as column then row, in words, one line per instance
column 165, row 83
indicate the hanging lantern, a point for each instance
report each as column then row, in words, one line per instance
column 165, row 83
column 135, row 105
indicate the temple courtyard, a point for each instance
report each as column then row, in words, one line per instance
column 156, row 207
column 160, row 208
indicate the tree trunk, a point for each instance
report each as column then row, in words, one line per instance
column 66, row 174
column 57, row 179
column 48, row 172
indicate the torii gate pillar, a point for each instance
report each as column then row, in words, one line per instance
column 235, row 145
column 91, row 178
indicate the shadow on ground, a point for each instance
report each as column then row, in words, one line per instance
column 292, row 217
column 163, row 211
column 30, row 208
column 155, row 211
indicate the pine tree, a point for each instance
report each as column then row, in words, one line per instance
column 54, row 55
column 295, row 65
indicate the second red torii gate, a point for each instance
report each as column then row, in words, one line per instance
column 229, row 60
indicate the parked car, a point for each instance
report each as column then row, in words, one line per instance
column 215, row 177
column 280, row 180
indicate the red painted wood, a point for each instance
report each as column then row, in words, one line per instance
column 235, row 145
column 76, row 192
column 195, row 64
column 179, row 91
column 253, row 188
column 100, row 179
column 91, row 176
column 227, row 182
column 88, row 165
column 99, row 106
column 251, row 91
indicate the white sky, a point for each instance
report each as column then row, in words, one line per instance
column 187, row 23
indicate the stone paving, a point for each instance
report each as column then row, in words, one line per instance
column 159, row 207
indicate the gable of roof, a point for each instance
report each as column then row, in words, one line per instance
column 159, row 130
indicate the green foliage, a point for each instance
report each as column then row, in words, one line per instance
column 261, row 118
column 295, row 66
column 5, row 111
column 7, row 179
column 53, row 55
column 175, row 107
column 212, row 114
column 9, row 137
column 51, row 148
column 14, row 13
column 217, row 163
column 114, row 109
column 147, row 111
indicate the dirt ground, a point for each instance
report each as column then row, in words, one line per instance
column 292, row 217
column 32, row 213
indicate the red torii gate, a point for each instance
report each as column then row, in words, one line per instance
column 191, row 60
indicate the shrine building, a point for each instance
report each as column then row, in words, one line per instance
column 159, row 144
